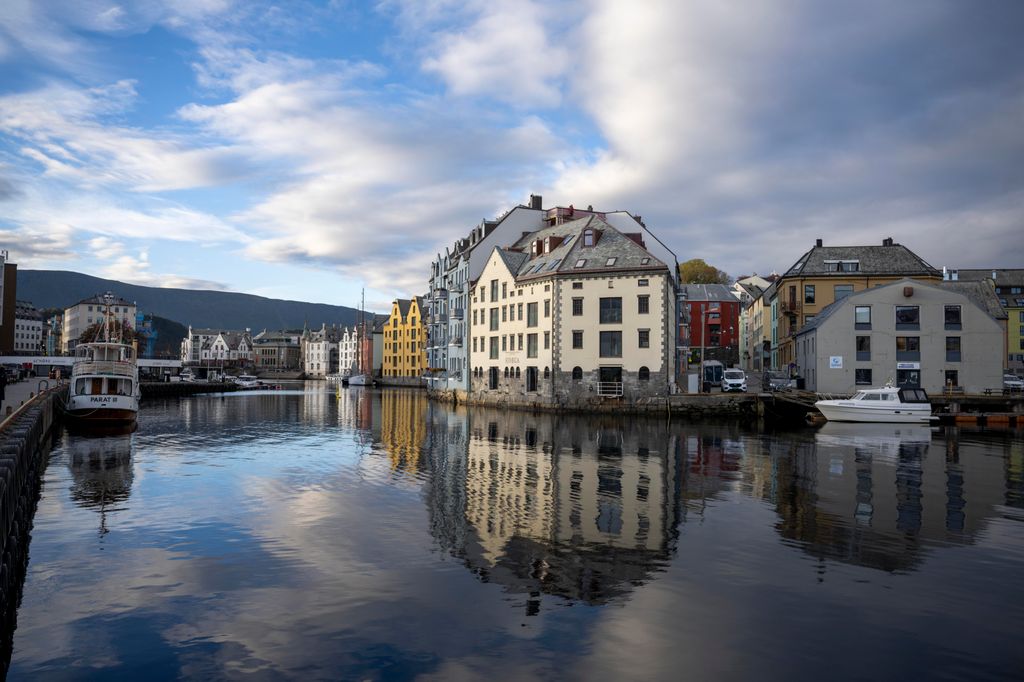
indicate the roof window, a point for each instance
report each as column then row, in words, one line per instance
column 580, row 263
column 588, row 237
column 610, row 262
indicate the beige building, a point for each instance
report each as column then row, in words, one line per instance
column 93, row 310
column 933, row 336
column 574, row 313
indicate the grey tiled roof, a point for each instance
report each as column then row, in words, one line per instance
column 513, row 259
column 709, row 292
column 403, row 306
column 98, row 298
column 894, row 259
column 562, row 259
column 1003, row 276
column 981, row 294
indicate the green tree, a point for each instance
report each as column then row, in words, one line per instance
column 118, row 333
column 696, row 271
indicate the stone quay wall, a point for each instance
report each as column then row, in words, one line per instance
column 24, row 442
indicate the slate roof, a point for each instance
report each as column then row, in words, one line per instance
column 562, row 259
column 894, row 259
column 403, row 306
column 98, row 298
column 709, row 292
column 1004, row 277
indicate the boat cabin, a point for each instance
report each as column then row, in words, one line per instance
column 103, row 369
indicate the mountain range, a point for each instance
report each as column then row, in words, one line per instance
column 199, row 308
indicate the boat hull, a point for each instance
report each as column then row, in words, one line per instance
column 897, row 414
column 359, row 380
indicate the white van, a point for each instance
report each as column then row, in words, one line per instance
column 734, row 380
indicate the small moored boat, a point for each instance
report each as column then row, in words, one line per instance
column 889, row 404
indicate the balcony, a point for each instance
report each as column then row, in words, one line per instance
column 609, row 389
column 440, row 294
column 456, row 288
column 458, row 313
column 456, row 341
column 439, row 318
column 790, row 307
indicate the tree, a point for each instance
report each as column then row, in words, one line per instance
column 696, row 271
column 119, row 333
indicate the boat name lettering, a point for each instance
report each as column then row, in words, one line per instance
column 106, row 399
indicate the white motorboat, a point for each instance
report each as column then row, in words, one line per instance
column 889, row 404
column 247, row 381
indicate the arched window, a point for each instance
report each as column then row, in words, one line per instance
column 577, row 374
column 644, row 374
column 506, row 372
column 547, row 373
column 519, row 373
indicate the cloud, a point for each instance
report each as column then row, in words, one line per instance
column 29, row 247
column 134, row 268
column 506, row 52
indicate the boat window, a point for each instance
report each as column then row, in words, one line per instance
column 889, row 396
column 872, row 396
column 81, row 387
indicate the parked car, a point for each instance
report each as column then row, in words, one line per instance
column 777, row 381
column 734, row 380
column 1012, row 383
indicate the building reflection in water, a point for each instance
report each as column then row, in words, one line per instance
column 101, row 473
column 403, row 428
column 559, row 505
column 878, row 495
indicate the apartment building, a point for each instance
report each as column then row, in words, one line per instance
column 278, row 351
column 575, row 313
column 28, row 329
column 321, row 351
column 826, row 274
column 713, row 330
column 94, row 310
column 405, row 340
column 1008, row 285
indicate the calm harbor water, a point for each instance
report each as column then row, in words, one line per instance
column 381, row 536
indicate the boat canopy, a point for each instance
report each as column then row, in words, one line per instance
column 105, row 352
column 913, row 395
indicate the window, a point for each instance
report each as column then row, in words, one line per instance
column 952, row 317
column 645, row 261
column 531, row 314
column 492, row 375
column 579, row 285
column 611, row 310
column 577, row 306
column 952, row 377
column 644, row 374
column 531, row 379
column 504, row 342
column 520, row 342
column 862, row 317
column 644, row 338
column 519, row 307
column 863, row 348
column 547, row 307
column 862, row 377
column 610, row 262
column 504, row 313
column 952, row 349
column 494, row 347
column 908, row 348
column 842, row 291
column 547, row 340
column 494, row 290
column 531, row 345
column 611, row 345
column 577, row 338
column 582, row 262
column 494, row 319
column 642, row 282
column 504, row 289
column 908, row 317
column 643, row 304
column 808, row 293
column 588, row 238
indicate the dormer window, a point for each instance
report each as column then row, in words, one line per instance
column 610, row 262
column 580, row 263
column 588, row 237
column 645, row 261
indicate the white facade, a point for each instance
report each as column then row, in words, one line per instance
column 321, row 351
column 84, row 314
column 28, row 330
column 348, row 343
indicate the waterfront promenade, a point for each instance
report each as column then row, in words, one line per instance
column 18, row 393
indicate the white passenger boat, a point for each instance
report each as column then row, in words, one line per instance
column 104, row 386
column 888, row 404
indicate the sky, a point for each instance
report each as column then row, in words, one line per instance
column 308, row 150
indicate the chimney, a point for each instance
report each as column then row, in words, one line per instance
column 817, row 242
column 887, row 241
column 535, row 201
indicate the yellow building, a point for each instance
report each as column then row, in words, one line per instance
column 405, row 340
column 826, row 274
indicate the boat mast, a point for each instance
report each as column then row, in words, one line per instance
column 362, row 332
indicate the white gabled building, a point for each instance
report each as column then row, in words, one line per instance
column 575, row 313
column 203, row 346
column 348, row 343
column 320, row 351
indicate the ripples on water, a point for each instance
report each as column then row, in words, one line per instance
column 381, row 536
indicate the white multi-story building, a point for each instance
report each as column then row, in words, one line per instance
column 93, row 310
column 320, row 351
column 28, row 329
column 348, row 351
column 575, row 312
column 224, row 347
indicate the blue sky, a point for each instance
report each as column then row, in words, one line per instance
column 304, row 150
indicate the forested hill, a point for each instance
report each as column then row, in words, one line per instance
column 214, row 309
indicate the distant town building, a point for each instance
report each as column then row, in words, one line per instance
column 94, row 310
column 278, row 350
column 28, row 329
column 1008, row 285
column 221, row 346
column 321, row 351
column 825, row 274
column 932, row 335
column 405, row 340
column 8, row 302
column 575, row 312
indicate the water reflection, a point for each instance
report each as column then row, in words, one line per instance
column 379, row 535
column 583, row 509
